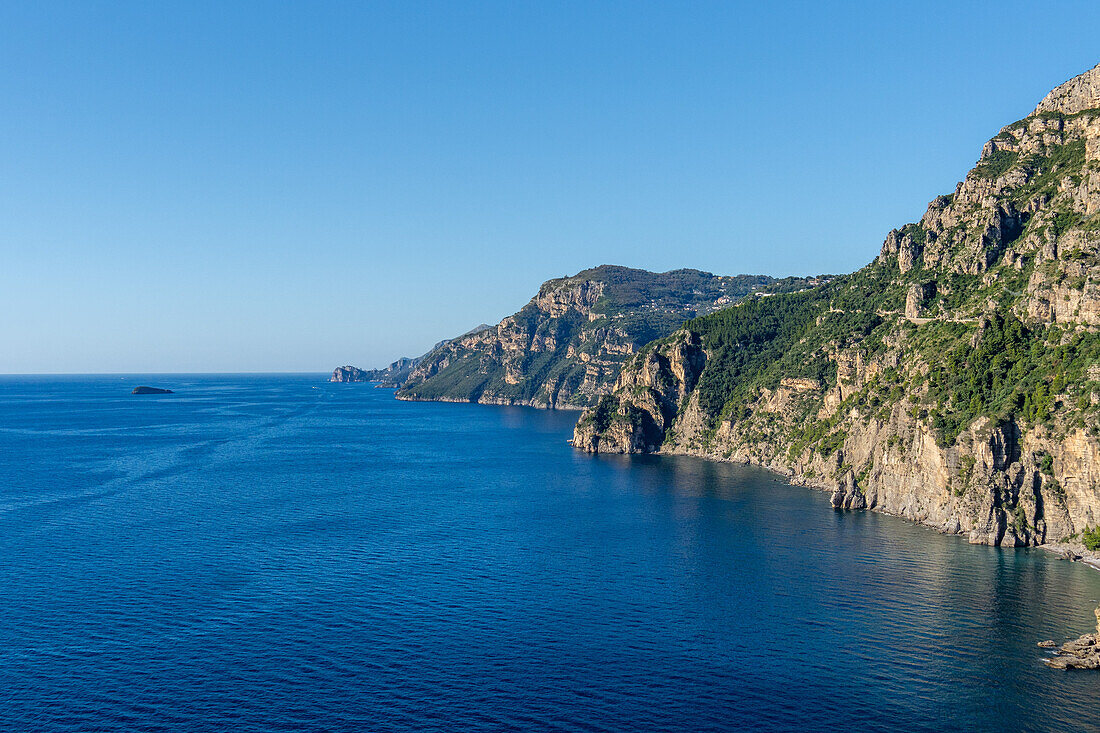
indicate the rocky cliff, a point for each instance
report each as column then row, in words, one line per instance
column 393, row 375
column 348, row 373
column 954, row 381
column 566, row 346
column 397, row 373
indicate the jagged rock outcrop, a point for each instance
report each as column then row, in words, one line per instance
column 349, row 373
column 565, row 348
column 1077, row 95
column 915, row 298
column 954, row 381
column 393, row 375
column 1082, row 653
column 650, row 391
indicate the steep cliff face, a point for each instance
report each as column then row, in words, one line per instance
column 648, row 397
column 349, row 373
column 566, row 346
column 954, row 381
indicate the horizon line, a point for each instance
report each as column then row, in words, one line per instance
column 145, row 374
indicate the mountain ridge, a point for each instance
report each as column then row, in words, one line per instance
column 565, row 347
column 395, row 374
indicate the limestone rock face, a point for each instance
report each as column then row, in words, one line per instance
column 652, row 388
column 1076, row 95
column 902, row 246
column 916, row 296
column 847, row 494
column 393, row 375
column 557, row 301
column 348, row 373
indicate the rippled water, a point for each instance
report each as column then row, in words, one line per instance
column 278, row 553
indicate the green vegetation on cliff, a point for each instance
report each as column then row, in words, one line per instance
column 746, row 344
column 1012, row 372
column 758, row 343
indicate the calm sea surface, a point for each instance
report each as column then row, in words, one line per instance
column 276, row 553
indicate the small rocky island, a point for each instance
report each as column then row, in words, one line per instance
column 150, row 390
column 1083, row 653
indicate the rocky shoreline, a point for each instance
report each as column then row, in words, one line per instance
column 1074, row 552
column 843, row 499
column 1081, row 653
column 495, row 401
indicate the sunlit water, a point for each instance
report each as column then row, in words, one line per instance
column 279, row 553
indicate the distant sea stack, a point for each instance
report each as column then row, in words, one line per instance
column 150, row 390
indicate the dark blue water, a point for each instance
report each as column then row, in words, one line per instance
column 268, row 553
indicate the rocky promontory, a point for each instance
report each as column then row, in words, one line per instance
column 397, row 373
column 1082, row 653
column 349, row 373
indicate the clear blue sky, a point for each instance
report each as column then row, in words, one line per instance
column 293, row 186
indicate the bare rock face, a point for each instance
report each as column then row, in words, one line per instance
column 916, row 297
column 652, row 388
column 905, row 248
column 349, row 373
column 557, row 301
column 1076, row 95
column 847, row 494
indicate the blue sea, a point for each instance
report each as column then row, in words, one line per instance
column 277, row 553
